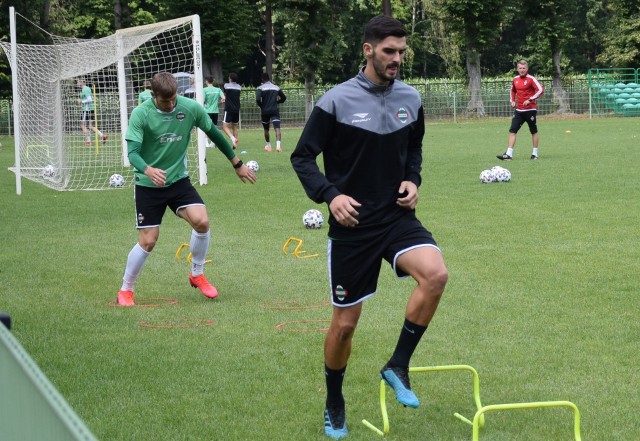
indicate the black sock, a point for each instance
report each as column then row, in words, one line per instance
column 334, row 380
column 407, row 342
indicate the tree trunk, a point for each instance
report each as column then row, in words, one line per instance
column 268, row 49
column 386, row 8
column 213, row 68
column 559, row 95
column 117, row 14
column 309, row 88
column 45, row 14
column 475, row 105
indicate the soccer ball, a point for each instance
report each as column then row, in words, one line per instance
column 253, row 165
column 313, row 219
column 49, row 171
column 116, row 180
column 487, row 176
column 502, row 175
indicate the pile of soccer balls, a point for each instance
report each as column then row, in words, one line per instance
column 313, row 219
column 495, row 174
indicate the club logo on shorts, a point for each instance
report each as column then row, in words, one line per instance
column 140, row 218
column 341, row 293
column 402, row 114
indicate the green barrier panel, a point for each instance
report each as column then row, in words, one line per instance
column 30, row 406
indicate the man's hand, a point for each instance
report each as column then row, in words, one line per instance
column 246, row 174
column 343, row 209
column 407, row 195
column 158, row 176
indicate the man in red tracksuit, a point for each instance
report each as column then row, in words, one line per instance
column 525, row 90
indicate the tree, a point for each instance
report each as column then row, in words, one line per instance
column 553, row 30
column 481, row 22
column 313, row 35
column 621, row 39
column 437, row 52
column 269, row 47
column 230, row 30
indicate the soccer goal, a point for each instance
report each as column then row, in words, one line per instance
column 72, row 100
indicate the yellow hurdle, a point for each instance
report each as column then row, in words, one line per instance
column 297, row 251
column 478, row 419
column 183, row 246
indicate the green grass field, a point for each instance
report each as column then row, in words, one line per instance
column 542, row 297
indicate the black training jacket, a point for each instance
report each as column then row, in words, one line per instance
column 370, row 137
column 268, row 96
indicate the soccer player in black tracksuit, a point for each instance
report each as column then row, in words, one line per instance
column 268, row 96
column 369, row 130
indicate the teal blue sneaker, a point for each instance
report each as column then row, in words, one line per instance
column 335, row 424
column 398, row 379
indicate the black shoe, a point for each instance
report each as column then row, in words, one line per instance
column 534, row 157
column 335, row 424
column 504, row 157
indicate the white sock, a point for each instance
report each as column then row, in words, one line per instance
column 268, row 144
column 233, row 139
column 535, row 151
column 510, row 151
column 100, row 134
column 199, row 246
column 135, row 262
column 278, row 144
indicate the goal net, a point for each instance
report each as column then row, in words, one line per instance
column 73, row 98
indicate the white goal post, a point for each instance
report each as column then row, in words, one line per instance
column 53, row 146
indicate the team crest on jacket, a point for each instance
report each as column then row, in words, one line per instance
column 180, row 116
column 402, row 114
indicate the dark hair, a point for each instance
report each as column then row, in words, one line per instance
column 381, row 27
column 265, row 76
column 233, row 77
column 209, row 79
column 164, row 85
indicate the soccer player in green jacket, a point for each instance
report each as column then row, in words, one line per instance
column 157, row 140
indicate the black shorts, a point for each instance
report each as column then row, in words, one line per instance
column 519, row 118
column 354, row 266
column 152, row 202
column 272, row 117
column 214, row 118
column 231, row 117
column 87, row 115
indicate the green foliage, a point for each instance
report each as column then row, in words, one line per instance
column 314, row 37
column 541, row 300
column 321, row 39
column 623, row 47
column 229, row 29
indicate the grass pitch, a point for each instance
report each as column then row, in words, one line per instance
column 542, row 298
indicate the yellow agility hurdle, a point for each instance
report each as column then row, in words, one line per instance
column 510, row 406
column 297, row 251
column 478, row 419
column 383, row 402
column 182, row 247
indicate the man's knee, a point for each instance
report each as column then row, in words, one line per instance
column 344, row 331
column 434, row 279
